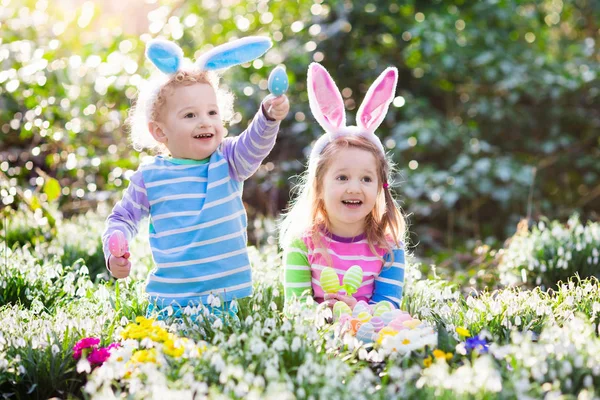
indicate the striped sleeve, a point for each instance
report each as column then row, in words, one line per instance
column 247, row 151
column 127, row 213
column 297, row 276
column 389, row 285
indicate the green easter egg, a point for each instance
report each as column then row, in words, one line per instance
column 340, row 308
column 329, row 280
column 382, row 307
column 353, row 279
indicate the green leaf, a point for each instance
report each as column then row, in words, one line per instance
column 52, row 189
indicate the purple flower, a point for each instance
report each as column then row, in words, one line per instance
column 84, row 343
column 477, row 343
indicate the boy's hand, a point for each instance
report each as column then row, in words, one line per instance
column 119, row 267
column 331, row 298
column 277, row 108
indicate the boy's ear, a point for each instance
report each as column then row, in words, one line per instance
column 157, row 132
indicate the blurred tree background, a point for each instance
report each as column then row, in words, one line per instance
column 497, row 114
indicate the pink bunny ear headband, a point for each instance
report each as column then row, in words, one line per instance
column 327, row 106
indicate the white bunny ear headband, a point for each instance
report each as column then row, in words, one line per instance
column 168, row 56
column 327, row 106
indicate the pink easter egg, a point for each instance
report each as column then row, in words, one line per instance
column 117, row 244
column 404, row 317
column 397, row 325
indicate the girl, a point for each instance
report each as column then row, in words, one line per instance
column 345, row 214
column 192, row 192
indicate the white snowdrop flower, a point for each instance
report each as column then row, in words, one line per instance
column 216, row 302
column 286, row 326
column 280, row 344
column 273, row 306
column 518, row 320
column 296, row 344
column 217, row 362
column 83, row 365
column 248, row 321
column 588, row 381
column 55, row 349
column 217, row 324
column 362, row 353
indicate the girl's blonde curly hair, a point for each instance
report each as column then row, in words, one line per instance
column 153, row 95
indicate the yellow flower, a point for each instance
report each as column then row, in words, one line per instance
column 463, row 331
column 437, row 353
column 170, row 349
column 144, row 356
column 427, row 362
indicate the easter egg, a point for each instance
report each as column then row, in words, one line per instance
column 365, row 333
column 340, row 308
column 382, row 307
column 385, row 332
column 364, row 316
column 360, row 307
column 117, row 244
column 377, row 323
column 387, row 317
column 403, row 317
column 329, row 280
column 278, row 81
column 355, row 324
column 412, row 324
column 397, row 325
column 344, row 319
column 353, row 279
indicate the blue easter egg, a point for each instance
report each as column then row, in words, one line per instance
column 365, row 332
column 388, row 317
column 278, row 81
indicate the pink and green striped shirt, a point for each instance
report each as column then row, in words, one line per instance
column 304, row 262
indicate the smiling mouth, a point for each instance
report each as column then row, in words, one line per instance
column 203, row 136
column 352, row 202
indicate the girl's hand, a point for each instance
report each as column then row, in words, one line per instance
column 330, row 299
column 276, row 108
column 119, row 267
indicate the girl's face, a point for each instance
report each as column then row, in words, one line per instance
column 349, row 190
column 190, row 125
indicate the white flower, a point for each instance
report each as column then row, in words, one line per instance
column 296, row 344
column 217, row 324
column 83, row 365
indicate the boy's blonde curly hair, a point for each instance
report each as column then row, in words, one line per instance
column 153, row 95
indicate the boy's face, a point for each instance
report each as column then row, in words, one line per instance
column 190, row 124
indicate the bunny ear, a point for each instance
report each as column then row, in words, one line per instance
column 165, row 55
column 325, row 99
column 374, row 107
column 233, row 53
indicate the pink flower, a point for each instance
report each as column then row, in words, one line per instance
column 84, row 343
column 98, row 356
column 114, row 345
